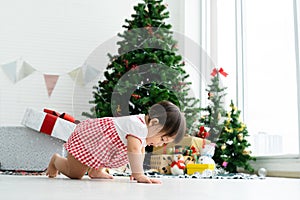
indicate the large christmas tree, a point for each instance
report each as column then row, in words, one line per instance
column 232, row 146
column 146, row 70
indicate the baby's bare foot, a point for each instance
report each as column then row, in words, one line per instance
column 100, row 173
column 51, row 170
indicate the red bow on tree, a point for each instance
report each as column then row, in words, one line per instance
column 136, row 96
column 221, row 71
column 203, row 134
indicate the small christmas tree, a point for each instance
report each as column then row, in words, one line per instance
column 232, row 147
column 212, row 120
column 146, row 70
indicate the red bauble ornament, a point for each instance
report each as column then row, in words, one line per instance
column 136, row 96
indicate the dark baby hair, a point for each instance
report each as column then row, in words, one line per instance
column 170, row 116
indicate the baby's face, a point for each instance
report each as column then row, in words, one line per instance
column 158, row 139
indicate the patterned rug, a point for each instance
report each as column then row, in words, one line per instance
column 23, row 173
column 151, row 174
column 201, row 176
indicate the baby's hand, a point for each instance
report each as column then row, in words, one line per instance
column 145, row 179
column 155, row 181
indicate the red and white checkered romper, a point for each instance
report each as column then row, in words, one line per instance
column 101, row 142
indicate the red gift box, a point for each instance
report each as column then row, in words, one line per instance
column 50, row 122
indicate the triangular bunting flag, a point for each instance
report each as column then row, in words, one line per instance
column 77, row 75
column 10, row 69
column 90, row 74
column 50, row 81
column 26, row 70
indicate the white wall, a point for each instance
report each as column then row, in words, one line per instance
column 193, row 48
column 55, row 37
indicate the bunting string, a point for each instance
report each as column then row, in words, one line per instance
column 17, row 70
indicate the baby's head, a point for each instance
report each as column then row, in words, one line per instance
column 170, row 120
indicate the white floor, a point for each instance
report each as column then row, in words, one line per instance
column 14, row 187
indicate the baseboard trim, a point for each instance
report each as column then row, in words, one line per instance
column 284, row 174
column 288, row 167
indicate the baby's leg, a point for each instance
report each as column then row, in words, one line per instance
column 99, row 173
column 51, row 170
column 69, row 166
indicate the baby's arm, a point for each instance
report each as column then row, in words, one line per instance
column 136, row 159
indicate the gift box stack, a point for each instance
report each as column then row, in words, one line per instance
column 23, row 149
column 31, row 146
column 186, row 153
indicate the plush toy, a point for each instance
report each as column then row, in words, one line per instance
column 164, row 167
column 190, row 159
column 207, row 154
column 178, row 166
column 206, row 158
column 164, row 170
